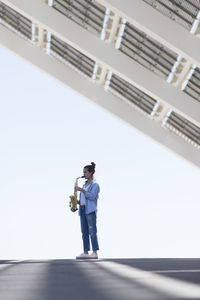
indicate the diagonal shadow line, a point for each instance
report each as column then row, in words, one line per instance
column 65, row 280
column 23, row 281
column 82, row 280
column 122, row 287
column 8, row 264
column 158, row 264
column 185, row 269
column 167, row 286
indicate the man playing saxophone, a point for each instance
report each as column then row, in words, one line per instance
column 89, row 194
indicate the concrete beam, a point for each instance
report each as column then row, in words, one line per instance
column 158, row 26
column 88, row 90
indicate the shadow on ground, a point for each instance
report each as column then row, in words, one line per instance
column 73, row 280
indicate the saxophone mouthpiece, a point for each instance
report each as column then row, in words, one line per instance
column 83, row 176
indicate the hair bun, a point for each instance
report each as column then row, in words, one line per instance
column 93, row 164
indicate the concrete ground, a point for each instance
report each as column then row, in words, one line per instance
column 103, row 279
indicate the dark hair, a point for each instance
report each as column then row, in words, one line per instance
column 91, row 168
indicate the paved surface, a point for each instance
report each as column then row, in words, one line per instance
column 105, row 279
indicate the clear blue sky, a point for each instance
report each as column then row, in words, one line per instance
column 149, row 201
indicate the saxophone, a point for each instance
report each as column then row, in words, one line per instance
column 73, row 198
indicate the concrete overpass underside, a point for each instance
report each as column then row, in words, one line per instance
column 140, row 59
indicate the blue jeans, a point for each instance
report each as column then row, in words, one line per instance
column 89, row 230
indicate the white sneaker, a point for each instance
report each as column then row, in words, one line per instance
column 83, row 256
column 93, row 255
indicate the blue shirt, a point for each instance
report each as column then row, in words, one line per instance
column 91, row 197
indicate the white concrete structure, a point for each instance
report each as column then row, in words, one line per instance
column 126, row 56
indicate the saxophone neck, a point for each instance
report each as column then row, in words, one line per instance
column 76, row 181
